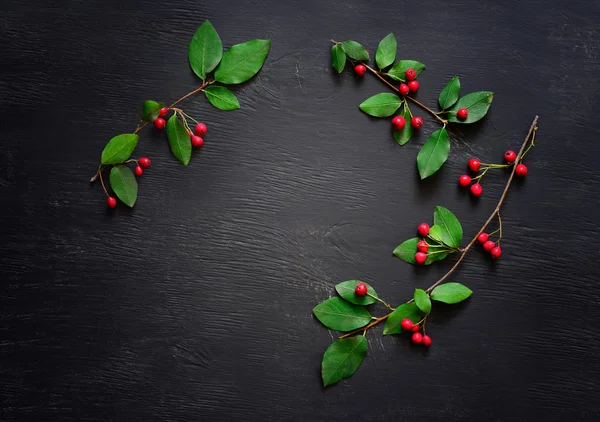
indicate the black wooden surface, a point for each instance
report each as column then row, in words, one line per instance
column 196, row 305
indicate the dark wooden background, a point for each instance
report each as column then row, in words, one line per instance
column 196, row 305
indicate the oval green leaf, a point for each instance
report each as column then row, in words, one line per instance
column 450, row 93
column 355, row 50
column 478, row 104
column 406, row 310
column 386, row 51
column 337, row 314
column 434, row 153
column 119, row 148
column 205, row 50
column 123, row 183
column 398, row 71
column 342, row 358
column 221, row 97
column 406, row 251
column 346, row 290
column 451, row 230
column 338, row 58
column 242, row 61
column 435, row 233
column 150, row 110
column 404, row 135
column 451, row 293
column 422, row 301
column 381, row 105
column 179, row 140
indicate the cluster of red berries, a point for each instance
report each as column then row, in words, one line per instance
column 475, row 165
column 422, row 245
column 411, row 85
column 417, row 337
column 142, row 163
column 489, row 246
column 196, row 139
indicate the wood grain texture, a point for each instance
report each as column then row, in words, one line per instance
column 196, row 305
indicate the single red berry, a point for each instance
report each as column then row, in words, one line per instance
column 159, row 123
column 163, row 112
column 422, row 246
column 111, row 202
column 410, row 74
column 139, row 171
column 521, row 170
column 398, row 122
column 510, row 156
column 423, row 229
column 483, row 237
column 197, row 141
column 474, row 165
column 416, row 122
column 420, row 258
column 426, row 341
column 417, row 338
column 201, row 129
column 488, row 246
column 416, row 328
column 496, row 252
column 464, row 180
column 406, row 324
column 404, row 90
column 476, row 189
column 413, row 86
column 361, row 289
column 462, row 113
column 360, row 69
column 144, row 162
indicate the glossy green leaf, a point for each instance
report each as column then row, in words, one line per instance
column 242, row 61
column 205, row 50
column 337, row 314
column 398, row 71
column 342, row 358
column 435, row 232
column 346, row 290
column 422, row 300
column 338, row 58
column 123, row 183
column 221, row 97
column 478, row 104
column 450, row 93
column 404, row 135
column 150, row 110
column 451, row 229
column 451, row 293
column 434, row 153
column 381, row 105
column 119, row 148
column 386, row 51
column 406, row 251
column 355, row 50
column 406, row 310
column 179, row 140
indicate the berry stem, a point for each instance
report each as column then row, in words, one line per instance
column 382, row 301
column 101, row 180
column 499, row 228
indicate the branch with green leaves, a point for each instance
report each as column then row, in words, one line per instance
column 469, row 108
column 347, row 312
column 215, row 68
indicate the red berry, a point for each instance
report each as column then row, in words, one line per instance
column 521, row 170
column 426, row 341
column 488, row 246
column 144, row 162
column 201, row 129
column 398, row 122
column 407, row 324
column 464, row 180
column 474, row 165
column 416, row 328
column 111, row 202
column 420, row 258
column 163, row 112
column 496, row 252
column 476, row 189
column 483, row 237
column 416, row 122
column 361, row 289
column 422, row 246
column 462, row 113
column 413, row 86
column 360, row 69
column 417, row 338
column 197, row 141
column 159, row 123
column 423, row 229
column 139, row 171
column 410, row 74
column 404, row 89
column 510, row 156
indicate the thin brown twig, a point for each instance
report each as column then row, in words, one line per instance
column 102, row 182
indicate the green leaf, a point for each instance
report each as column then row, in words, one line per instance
column 119, row 148
column 242, row 61
column 478, row 104
column 355, row 50
column 451, row 229
column 449, row 94
column 404, row 135
column 434, row 153
column 398, row 71
column 386, row 51
column 150, row 110
column 422, row 300
column 346, row 290
column 451, row 293
column 221, row 97
column 205, row 50
column 406, row 251
column 179, row 140
column 342, row 358
column 123, row 183
column 337, row 314
column 382, row 105
column 338, row 58
column 435, row 232
column 406, row 310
